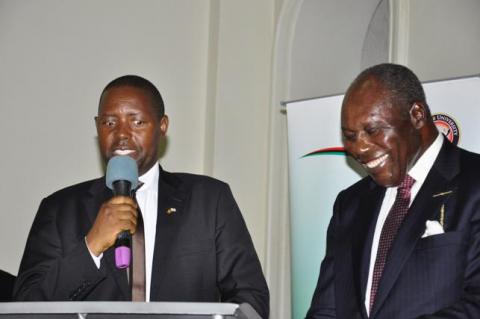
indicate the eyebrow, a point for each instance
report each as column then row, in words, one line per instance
column 115, row 115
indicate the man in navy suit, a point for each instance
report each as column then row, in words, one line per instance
column 396, row 251
column 197, row 246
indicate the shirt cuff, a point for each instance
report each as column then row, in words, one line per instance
column 96, row 259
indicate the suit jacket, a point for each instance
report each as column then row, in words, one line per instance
column 203, row 251
column 6, row 286
column 431, row 277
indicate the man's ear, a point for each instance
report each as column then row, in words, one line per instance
column 418, row 115
column 163, row 125
column 96, row 122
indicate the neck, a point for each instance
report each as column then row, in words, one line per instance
column 428, row 135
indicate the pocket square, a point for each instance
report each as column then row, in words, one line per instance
column 433, row 227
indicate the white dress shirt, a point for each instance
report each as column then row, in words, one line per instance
column 147, row 199
column 419, row 172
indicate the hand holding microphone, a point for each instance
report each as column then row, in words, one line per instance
column 117, row 218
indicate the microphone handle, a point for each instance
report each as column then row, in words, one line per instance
column 123, row 252
column 122, row 188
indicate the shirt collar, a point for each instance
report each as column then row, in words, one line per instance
column 150, row 179
column 420, row 169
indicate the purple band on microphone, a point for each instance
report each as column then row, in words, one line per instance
column 122, row 257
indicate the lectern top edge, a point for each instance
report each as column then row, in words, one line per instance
column 112, row 307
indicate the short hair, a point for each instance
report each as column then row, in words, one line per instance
column 402, row 85
column 138, row 82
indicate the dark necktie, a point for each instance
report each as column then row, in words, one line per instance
column 138, row 264
column 389, row 231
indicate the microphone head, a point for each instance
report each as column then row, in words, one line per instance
column 122, row 168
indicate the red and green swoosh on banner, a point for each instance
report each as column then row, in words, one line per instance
column 326, row 151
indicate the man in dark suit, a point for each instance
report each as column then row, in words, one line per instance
column 197, row 247
column 404, row 242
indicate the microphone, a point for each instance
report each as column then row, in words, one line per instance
column 122, row 178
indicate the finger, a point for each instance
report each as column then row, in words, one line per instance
column 122, row 208
column 127, row 225
column 123, row 200
column 126, row 216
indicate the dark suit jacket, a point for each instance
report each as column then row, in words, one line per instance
column 203, row 251
column 6, row 286
column 431, row 277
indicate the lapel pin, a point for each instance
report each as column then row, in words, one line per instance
column 171, row 210
column 442, row 215
column 442, row 194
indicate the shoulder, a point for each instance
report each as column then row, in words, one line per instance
column 77, row 190
column 355, row 190
column 204, row 192
column 468, row 171
column 454, row 160
column 349, row 199
column 469, row 159
column 67, row 206
column 194, row 181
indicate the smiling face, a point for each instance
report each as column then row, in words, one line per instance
column 127, row 124
column 384, row 138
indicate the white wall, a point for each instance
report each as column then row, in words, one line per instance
column 444, row 38
column 327, row 46
column 442, row 42
column 240, row 144
column 55, row 58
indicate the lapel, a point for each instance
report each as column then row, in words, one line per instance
column 171, row 201
column 424, row 207
column 369, row 210
column 353, row 252
column 97, row 195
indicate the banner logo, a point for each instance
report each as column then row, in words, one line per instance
column 326, row 151
column 447, row 126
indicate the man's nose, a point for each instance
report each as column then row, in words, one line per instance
column 362, row 145
column 123, row 131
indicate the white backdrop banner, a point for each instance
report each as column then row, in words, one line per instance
column 319, row 169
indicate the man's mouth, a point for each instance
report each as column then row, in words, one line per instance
column 376, row 162
column 123, row 152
